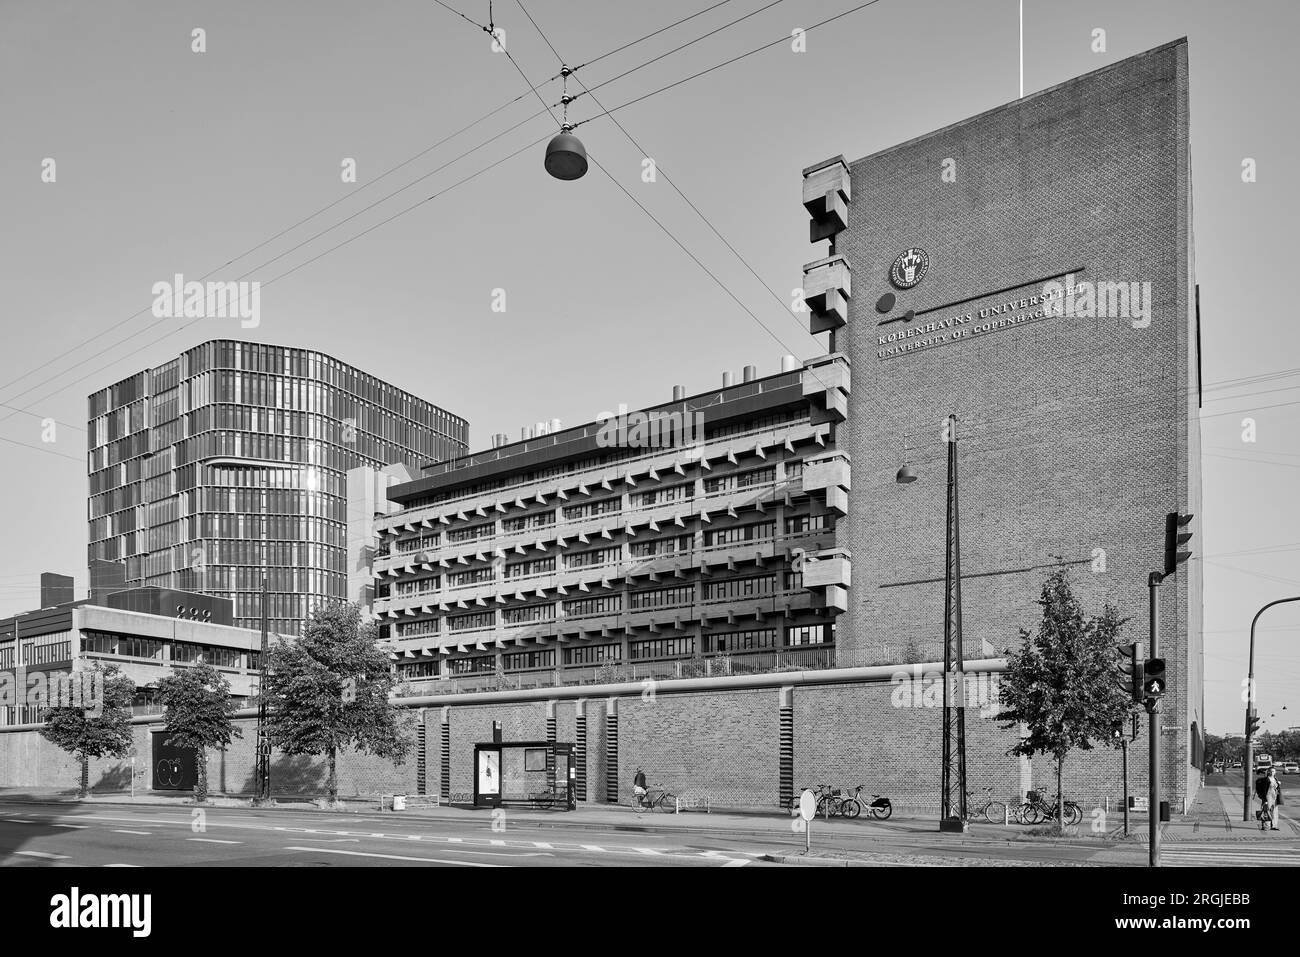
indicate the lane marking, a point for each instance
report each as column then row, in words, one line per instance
column 591, row 847
column 122, row 830
column 391, row 857
column 75, row 827
column 43, row 855
column 212, row 840
column 19, row 820
column 738, row 862
column 121, row 865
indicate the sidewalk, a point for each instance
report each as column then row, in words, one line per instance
column 1216, row 816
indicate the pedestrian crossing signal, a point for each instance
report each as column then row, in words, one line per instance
column 1153, row 677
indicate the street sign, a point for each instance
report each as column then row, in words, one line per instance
column 1136, row 803
column 807, row 805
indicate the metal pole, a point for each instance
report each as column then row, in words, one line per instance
column 1123, row 744
column 263, row 773
column 1153, row 711
column 1247, row 766
column 954, row 716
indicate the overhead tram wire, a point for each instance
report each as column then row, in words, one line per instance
column 329, row 206
column 694, row 76
column 781, row 303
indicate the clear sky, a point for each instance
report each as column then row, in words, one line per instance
column 171, row 161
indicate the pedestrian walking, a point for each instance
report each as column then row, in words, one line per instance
column 1269, row 791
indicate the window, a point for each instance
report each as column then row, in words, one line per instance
column 423, row 543
column 806, row 523
column 663, row 496
column 661, row 546
column 593, row 654
column 810, row 635
column 735, row 588
column 521, row 614
column 794, row 469
column 605, row 605
column 740, row 533
column 524, row 523
column 662, row 597
column 412, row 629
column 538, row 566
column 742, row 640
column 184, row 652
column 474, row 576
column 472, row 532
column 418, row 586
column 467, row 666
column 597, row 556
column 483, row 619
column 528, row 660
column 739, row 480
column 661, row 648
column 602, row 506
column 47, row 654
column 418, row 669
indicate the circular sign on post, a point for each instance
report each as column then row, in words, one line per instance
column 807, row 805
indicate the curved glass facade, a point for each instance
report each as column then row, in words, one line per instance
column 229, row 464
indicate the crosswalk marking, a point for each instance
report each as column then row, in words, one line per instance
column 391, row 857
column 1205, row 855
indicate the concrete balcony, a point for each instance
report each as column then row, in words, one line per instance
column 831, row 474
column 827, row 290
column 827, row 191
column 831, row 573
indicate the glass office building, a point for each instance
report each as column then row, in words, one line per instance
column 229, row 464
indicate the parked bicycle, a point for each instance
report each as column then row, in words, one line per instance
column 880, row 807
column 1036, row 810
column 994, row 812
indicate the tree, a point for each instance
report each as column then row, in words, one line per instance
column 329, row 690
column 198, row 714
column 1063, row 684
column 101, row 730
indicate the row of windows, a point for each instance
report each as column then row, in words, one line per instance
column 661, row 546
column 740, row 533
column 523, row 523
column 604, row 605
column 472, row 577
column 662, row 597
column 528, row 660
column 603, row 506
column 470, row 533
column 418, row 544
column 483, row 619
column 593, row 654
column 537, row 566
column 412, row 629
column 418, row 586
column 589, row 559
column 662, row 496
column 739, row 480
column 520, row 614
column 661, row 648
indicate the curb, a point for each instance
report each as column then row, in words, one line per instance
column 800, row 861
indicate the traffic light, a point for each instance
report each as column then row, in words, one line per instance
column 1130, row 670
column 1133, row 731
column 1153, row 678
column 1175, row 539
column 1252, row 724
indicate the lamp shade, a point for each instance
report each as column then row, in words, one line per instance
column 905, row 476
column 566, row 157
